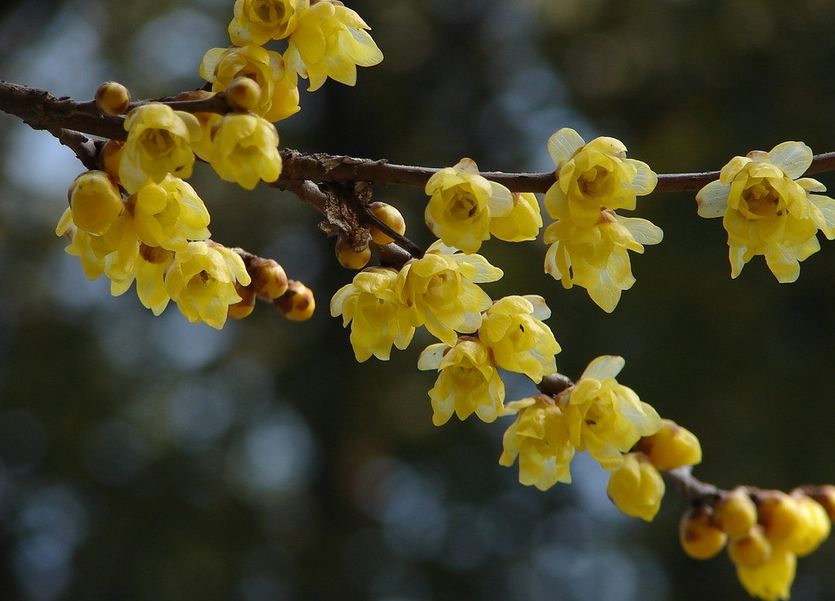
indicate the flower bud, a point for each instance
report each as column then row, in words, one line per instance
column 672, row 447
column 297, row 304
column 699, row 537
column 243, row 94
column 735, row 513
column 636, row 487
column 268, row 278
column 95, row 202
column 350, row 258
column 245, row 306
column 751, row 549
column 813, row 528
column 825, row 495
column 109, row 157
column 112, row 98
column 780, row 514
column 391, row 217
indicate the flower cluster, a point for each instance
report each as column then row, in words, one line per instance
column 589, row 240
column 768, row 211
column 765, row 532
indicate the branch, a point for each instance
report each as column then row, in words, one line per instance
column 41, row 110
column 84, row 148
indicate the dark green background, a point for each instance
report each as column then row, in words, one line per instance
column 144, row 458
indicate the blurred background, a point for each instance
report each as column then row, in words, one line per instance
column 146, row 458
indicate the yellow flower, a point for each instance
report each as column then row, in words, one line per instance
column 95, row 202
column 462, row 204
column 245, row 150
column 672, row 447
column 514, row 332
column 279, row 88
column 158, row 143
column 88, row 248
column 768, row 211
column 151, row 266
column 539, row 438
column 771, row 580
column 377, row 317
column 169, row 214
column 440, row 291
column 259, row 21
column 813, row 528
column 593, row 176
column 468, row 383
column 201, row 280
column 522, row 223
column 606, row 418
column 596, row 257
column 636, row 487
column 330, row 40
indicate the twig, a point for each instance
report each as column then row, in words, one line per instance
column 84, row 148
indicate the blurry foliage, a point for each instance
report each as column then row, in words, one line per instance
column 150, row 459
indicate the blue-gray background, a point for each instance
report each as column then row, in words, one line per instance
column 145, row 458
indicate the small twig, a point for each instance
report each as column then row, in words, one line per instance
column 84, row 148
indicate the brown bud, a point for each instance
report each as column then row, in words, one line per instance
column 109, row 157
column 297, row 304
column 268, row 278
column 736, row 513
column 350, row 258
column 245, row 306
column 391, row 217
column 699, row 537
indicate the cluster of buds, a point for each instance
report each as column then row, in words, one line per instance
column 355, row 252
column 765, row 531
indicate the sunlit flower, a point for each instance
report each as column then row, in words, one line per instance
column 330, row 40
column 672, row 447
column 514, row 332
column 279, row 89
column 636, row 487
column 604, row 417
column 592, row 177
column 468, row 383
column 378, row 319
column 259, row 21
column 596, row 257
column 151, row 266
column 462, row 204
column 245, row 150
column 201, row 280
column 169, row 214
column 95, row 202
column 768, row 211
column 158, row 143
column 522, row 223
column 440, row 291
column 539, row 438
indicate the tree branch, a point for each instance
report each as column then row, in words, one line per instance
column 41, row 110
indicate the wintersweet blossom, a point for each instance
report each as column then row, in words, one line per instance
column 169, row 214
column 462, row 204
column 151, row 267
column 596, row 257
column 158, row 143
column 636, row 487
column 440, row 291
column 468, row 383
column 771, row 580
column 330, row 40
column 201, row 280
column 604, row 417
column 523, row 222
column 514, row 332
column 592, row 177
column 245, row 150
column 769, row 209
column 279, row 87
column 539, row 439
column 378, row 319
column 259, row 21
column 95, row 202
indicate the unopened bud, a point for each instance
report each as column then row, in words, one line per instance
column 109, row 157
column 391, row 217
column 636, row 487
column 245, row 306
column 243, row 94
column 825, row 495
column 112, row 98
column 268, row 278
column 672, row 447
column 699, row 537
column 780, row 514
column 735, row 513
column 297, row 304
column 95, row 202
column 814, row 526
column 350, row 258
column 750, row 550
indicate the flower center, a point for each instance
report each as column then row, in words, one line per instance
column 157, row 142
column 463, row 206
column 762, row 200
column 592, row 182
